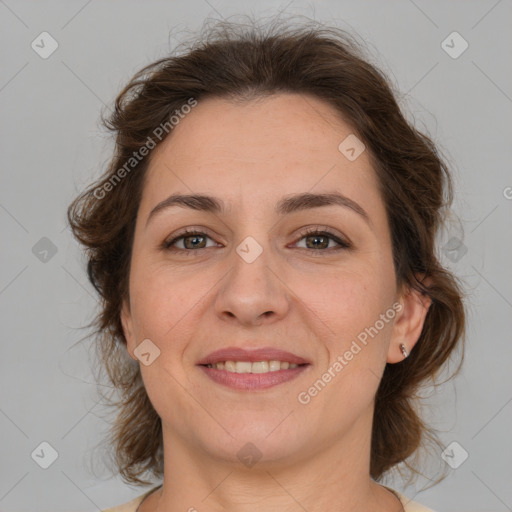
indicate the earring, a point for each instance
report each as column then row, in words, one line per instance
column 403, row 349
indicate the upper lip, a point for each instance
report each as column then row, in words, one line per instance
column 252, row 355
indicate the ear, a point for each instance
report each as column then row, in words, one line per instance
column 127, row 323
column 408, row 323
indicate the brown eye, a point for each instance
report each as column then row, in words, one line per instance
column 189, row 240
column 194, row 241
column 319, row 241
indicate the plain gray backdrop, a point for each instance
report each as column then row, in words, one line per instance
column 53, row 146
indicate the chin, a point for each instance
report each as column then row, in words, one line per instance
column 264, row 441
column 262, row 453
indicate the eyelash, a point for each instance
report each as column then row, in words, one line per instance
column 342, row 244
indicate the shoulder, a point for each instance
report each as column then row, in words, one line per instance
column 410, row 505
column 130, row 506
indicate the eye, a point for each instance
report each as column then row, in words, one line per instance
column 189, row 240
column 318, row 240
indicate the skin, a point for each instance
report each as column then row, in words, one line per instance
column 312, row 303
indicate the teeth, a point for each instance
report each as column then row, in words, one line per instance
column 256, row 367
column 243, row 367
column 259, row 367
column 274, row 366
column 229, row 366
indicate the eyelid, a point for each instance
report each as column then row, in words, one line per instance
column 185, row 232
column 342, row 241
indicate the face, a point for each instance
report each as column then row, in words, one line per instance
column 265, row 278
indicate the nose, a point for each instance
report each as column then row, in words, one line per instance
column 252, row 293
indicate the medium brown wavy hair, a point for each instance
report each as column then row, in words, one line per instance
column 244, row 61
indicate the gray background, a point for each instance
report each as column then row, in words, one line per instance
column 52, row 146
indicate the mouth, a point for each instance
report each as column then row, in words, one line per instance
column 252, row 370
column 256, row 367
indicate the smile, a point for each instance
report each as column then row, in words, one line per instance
column 246, row 369
column 253, row 367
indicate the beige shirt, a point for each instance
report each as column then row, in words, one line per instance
column 409, row 505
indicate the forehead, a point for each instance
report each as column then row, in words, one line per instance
column 257, row 150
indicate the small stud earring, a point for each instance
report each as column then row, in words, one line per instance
column 403, row 349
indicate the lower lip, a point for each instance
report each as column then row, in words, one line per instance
column 252, row 381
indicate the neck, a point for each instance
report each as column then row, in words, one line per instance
column 333, row 479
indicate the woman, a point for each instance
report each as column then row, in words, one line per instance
column 263, row 243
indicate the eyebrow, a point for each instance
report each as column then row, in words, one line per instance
column 285, row 206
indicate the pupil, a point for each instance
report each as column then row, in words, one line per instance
column 318, row 237
column 193, row 239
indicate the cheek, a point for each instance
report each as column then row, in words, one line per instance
column 347, row 300
column 349, row 305
column 357, row 340
column 161, row 300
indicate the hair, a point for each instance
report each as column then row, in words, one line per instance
column 243, row 62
